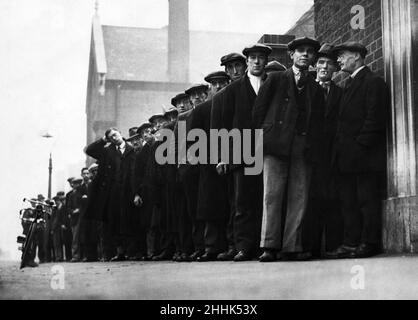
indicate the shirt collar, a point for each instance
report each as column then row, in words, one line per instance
column 122, row 145
column 357, row 71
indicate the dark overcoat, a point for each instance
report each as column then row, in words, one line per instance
column 212, row 201
column 360, row 143
column 276, row 112
column 114, row 196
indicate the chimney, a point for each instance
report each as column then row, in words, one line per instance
column 178, row 40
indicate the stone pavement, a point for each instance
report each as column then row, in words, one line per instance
column 383, row 277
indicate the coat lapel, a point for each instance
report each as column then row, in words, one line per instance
column 358, row 80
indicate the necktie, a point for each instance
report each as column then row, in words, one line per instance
column 303, row 79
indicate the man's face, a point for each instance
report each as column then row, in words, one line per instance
column 256, row 62
column 85, row 174
column 147, row 134
column 198, row 97
column 93, row 173
column 235, row 69
column 217, row 84
column 159, row 123
column 183, row 105
column 325, row 68
column 303, row 56
column 115, row 137
column 347, row 61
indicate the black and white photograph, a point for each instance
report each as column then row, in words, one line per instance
column 209, row 155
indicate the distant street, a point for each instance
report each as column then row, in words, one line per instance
column 393, row 277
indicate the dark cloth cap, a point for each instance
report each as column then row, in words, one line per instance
column 171, row 111
column 60, row 193
column 132, row 131
column 232, row 57
column 178, row 98
column 274, row 66
column 197, row 87
column 257, row 47
column 292, row 45
column 216, row 75
column 143, row 126
column 77, row 180
column 155, row 117
column 351, row 46
column 70, row 179
column 327, row 50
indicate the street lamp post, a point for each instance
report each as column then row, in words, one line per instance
column 48, row 136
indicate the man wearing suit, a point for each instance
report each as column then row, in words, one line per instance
column 289, row 109
column 116, row 199
column 235, row 66
column 237, row 114
column 360, row 153
column 212, row 204
column 324, row 216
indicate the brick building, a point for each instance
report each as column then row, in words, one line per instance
column 134, row 72
column 389, row 29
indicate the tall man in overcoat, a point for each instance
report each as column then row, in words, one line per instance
column 289, row 108
column 360, row 153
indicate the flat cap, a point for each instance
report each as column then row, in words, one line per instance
column 232, row 57
column 178, row 97
column 77, row 180
column 257, row 47
column 216, row 75
column 132, row 131
column 60, row 193
column 197, row 87
column 156, row 117
column 305, row 41
column 171, row 111
column 70, row 179
column 327, row 50
column 274, row 66
column 351, row 46
column 143, row 126
column 93, row 166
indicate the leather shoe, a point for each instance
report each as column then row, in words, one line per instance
column 242, row 256
column 162, row 256
column 365, row 251
column 137, row 257
column 119, row 257
column 296, row 256
column 342, row 252
column 268, row 256
column 227, row 256
column 207, row 256
column 31, row 264
column 184, row 257
column 75, row 260
column 196, row 255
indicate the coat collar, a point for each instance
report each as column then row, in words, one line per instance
column 357, row 81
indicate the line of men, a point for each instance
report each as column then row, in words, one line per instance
column 320, row 190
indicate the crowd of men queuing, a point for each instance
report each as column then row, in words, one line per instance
column 319, row 195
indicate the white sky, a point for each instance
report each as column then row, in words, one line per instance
column 44, row 53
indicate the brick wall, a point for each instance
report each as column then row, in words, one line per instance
column 332, row 24
column 279, row 45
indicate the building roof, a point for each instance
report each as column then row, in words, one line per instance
column 141, row 54
column 305, row 26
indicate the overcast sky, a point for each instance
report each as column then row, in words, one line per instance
column 44, row 58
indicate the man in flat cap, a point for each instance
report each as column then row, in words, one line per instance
column 212, row 205
column 289, row 108
column 116, row 208
column 360, row 153
column 197, row 93
column 235, row 65
column 324, row 216
column 57, row 225
column 237, row 114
